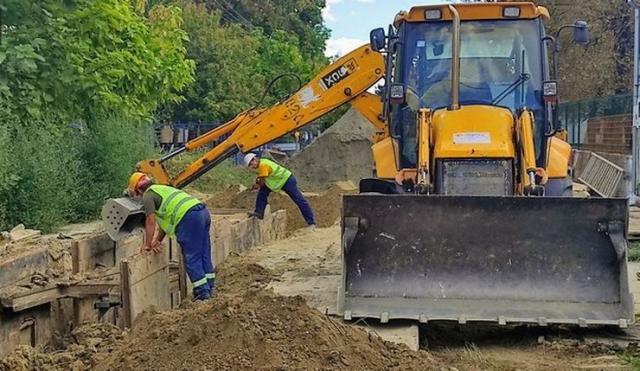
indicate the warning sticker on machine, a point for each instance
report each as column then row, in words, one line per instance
column 471, row 138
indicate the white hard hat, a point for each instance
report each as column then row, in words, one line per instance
column 248, row 157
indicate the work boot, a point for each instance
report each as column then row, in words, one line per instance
column 201, row 293
column 255, row 215
column 311, row 227
column 212, row 282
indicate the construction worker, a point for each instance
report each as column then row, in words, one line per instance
column 181, row 216
column 273, row 177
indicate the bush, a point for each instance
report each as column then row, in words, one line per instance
column 43, row 169
column 217, row 179
column 111, row 148
column 54, row 174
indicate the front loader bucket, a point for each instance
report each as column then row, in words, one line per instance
column 121, row 216
column 499, row 259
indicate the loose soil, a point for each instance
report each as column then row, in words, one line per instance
column 342, row 152
column 252, row 324
column 326, row 205
column 255, row 330
column 87, row 348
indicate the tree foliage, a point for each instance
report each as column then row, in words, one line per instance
column 237, row 57
column 605, row 66
column 81, row 81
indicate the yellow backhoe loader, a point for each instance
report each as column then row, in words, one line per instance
column 469, row 216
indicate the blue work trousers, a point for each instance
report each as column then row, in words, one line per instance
column 291, row 189
column 195, row 240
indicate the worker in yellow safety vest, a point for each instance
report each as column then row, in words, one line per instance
column 181, row 216
column 273, row 177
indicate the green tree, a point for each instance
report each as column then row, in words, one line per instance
column 604, row 67
column 80, row 80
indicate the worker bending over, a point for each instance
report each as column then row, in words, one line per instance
column 273, row 177
column 181, row 216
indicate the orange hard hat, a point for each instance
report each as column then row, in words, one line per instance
column 134, row 179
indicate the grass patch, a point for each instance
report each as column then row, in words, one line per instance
column 632, row 358
column 217, row 179
column 634, row 251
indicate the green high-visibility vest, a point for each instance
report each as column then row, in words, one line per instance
column 175, row 204
column 279, row 175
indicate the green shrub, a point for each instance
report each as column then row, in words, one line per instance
column 44, row 170
column 219, row 178
column 54, row 174
column 111, row 148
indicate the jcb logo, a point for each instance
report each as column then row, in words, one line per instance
column 339, row 74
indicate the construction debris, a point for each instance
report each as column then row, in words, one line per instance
column 20, row 233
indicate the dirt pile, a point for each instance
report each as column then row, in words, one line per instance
column 342, row 152
column 326, row 205
column 87, row 348
column 255, row 331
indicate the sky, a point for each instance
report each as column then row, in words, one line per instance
column 351, row 20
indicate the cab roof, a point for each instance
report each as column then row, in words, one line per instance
column 475, row 11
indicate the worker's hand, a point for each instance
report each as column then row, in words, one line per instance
column 156, row 246
column 255, row 187
column 145, row 249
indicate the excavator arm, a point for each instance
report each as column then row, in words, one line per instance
column 345, row 80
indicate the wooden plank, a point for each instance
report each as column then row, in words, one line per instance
column 23, row 265
column 89, row 253
column 128, row 247
column 30, row 327
column 44, row 295
column 145, row 284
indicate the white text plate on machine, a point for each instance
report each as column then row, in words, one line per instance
column 471, row 138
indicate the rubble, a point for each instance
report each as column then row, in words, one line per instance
column 20, row 233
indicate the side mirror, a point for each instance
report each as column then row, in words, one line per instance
column 377, row 38
column 581, row 33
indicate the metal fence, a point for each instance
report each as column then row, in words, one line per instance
column 573, row 116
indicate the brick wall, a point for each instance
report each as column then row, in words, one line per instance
column 611, row 134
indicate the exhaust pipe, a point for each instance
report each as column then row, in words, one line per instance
column 455, row 60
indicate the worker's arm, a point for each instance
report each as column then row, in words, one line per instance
column 263, row 172
column 149, row 232
column 150, row 202
column 260, row 181
column 346, row 79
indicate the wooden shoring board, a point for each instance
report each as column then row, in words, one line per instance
column 145, row 284
column 92, row 252
column 24, row 265
column 43, row 295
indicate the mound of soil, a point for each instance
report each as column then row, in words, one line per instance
column 342, row 152
column 255, row 331
column 326, row 205
column 88, row 346
column 240, row 277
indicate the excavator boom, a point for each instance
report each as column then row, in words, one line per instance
column 345, row 80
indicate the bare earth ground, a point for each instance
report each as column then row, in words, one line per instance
column 308, row 264
column 261, row 320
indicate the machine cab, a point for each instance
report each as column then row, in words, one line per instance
column 483, row 58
